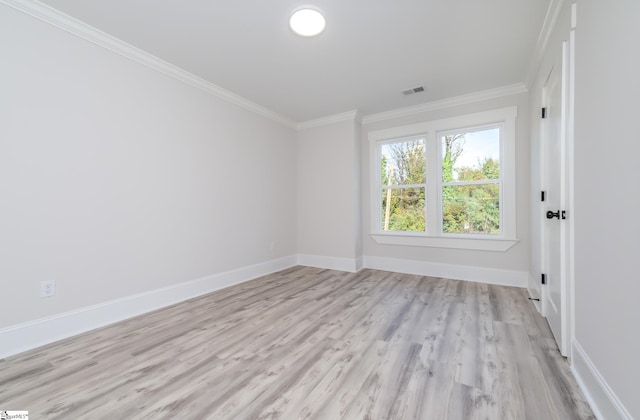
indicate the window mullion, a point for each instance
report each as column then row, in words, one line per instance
column 402, row 186
column 433, row 185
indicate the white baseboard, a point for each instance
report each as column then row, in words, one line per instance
column 534, row 285
column 26, row 336
column 22, row 337
column 450, row 271
column 332, row 263
column 603, row 401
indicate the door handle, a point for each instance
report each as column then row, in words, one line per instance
column 551, row 215
column 558, row 214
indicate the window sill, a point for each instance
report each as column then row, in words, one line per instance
column 481, row 244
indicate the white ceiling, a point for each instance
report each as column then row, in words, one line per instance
column 370, row 51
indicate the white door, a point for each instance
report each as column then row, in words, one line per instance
column 555, row 238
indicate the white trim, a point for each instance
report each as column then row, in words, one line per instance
column 359, row 263
column 430, row 129
column 470, row 98
column 452, row 123
column 33, row 334
column 331, row 119
column 603, row 401
column 350, row 265
column 570, row 147
column 76, row 27
column 553, row 11
column 495, row 276
column 482, row 244
column 22, row 337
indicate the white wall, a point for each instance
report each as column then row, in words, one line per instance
column 516, row 259
column 116, row 179
column 328, row 196
column 607, row 197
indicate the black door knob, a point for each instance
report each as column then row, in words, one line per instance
column 551, row 215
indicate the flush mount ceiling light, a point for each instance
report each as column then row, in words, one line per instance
column 307, row 22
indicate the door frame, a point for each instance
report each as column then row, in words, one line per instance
column 570, row 155
column 554, row 183
column 567, row 192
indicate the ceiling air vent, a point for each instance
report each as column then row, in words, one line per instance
column 411, row 91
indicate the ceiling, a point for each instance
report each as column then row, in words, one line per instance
column 370, row 51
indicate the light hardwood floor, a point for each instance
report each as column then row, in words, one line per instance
column 310, row 343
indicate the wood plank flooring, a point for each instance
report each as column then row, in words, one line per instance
column 308, row 343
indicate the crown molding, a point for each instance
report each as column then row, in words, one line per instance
column 352, row 115
column 76, row 27
column 447, row 103
column 553, row 11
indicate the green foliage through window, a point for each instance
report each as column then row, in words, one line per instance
column 470, row 183
column 403, row 164
column 471, row 209
column 403, row 209
column 470, row 176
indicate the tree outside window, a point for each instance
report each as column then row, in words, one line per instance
column 447, row 183
column 471, row 182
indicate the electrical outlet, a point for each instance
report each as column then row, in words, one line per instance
column 47, row 288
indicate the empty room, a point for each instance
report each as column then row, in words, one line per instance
column 319, row 210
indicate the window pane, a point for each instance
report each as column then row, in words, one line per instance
column 403, row 163
column 471, row 209
column 403, row 209
column 471, row 156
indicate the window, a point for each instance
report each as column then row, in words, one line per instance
column 471, row 181
column 446, row 183
column 404, row 184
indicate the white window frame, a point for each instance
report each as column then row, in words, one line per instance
column 431, row 130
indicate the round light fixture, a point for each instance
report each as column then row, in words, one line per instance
column 307, row 22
